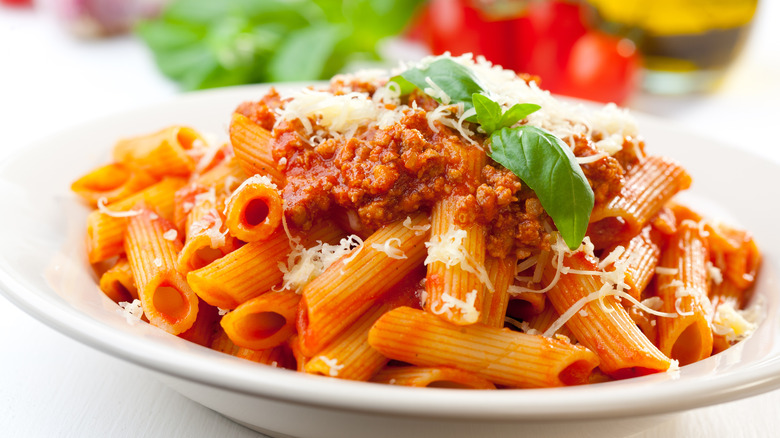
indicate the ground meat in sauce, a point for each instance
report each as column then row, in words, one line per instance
column 605, row 175
column 262, row 112
column 386, row 174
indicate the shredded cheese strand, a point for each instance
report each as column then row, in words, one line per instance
column 101, row 205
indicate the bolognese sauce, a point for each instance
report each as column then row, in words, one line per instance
column 386, row 173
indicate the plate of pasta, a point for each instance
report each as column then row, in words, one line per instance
column 441, row 249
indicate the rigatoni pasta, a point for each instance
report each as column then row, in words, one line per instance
column 400, row 231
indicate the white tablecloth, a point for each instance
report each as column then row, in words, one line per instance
column 51, row 385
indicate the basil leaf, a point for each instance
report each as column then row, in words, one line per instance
column 544, row 163
column 490, row 117
column 304, row 53
column 405, row 86
column 488, row 112
column 455, row 80
column 517, row 112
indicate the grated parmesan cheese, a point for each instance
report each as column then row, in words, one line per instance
column 419, row 230
column 304, row 265
column 101, row 205
column 389, row 249
column 661, row 270
column 170, row 235
column 341, row 114
column 333, row 365
column 448, row 249
column 715, row 274
column 131, row 311
column 468, row 311
column 733, row 323
column 210, row 225
column 565, row 120
column 600, row 294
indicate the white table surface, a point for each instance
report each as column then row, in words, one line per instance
column 51, row 385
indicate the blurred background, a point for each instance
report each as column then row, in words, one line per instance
column 697, row 62
column 603, row 50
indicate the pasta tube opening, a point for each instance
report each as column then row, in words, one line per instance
column 688, row 347
column 254, row 211
column 264, row 321
column 577, row 373
column 263, row 324
column 432, row 377
column 204, row 256
column 169, row 301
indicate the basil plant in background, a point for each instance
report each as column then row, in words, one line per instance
column 207, row 44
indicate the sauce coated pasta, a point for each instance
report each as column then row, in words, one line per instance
column 449, row 225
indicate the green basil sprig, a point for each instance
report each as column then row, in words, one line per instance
column 491, row 118
column 540, row 159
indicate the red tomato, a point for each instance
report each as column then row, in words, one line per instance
column 602, row 67
column 544, row 43
column 17, row 2
column 458, row 27
column 549, row 39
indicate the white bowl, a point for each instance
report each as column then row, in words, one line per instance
column 43, row 270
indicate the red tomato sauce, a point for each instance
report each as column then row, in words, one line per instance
column 386, row 174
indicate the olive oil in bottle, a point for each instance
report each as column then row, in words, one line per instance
column 687, row 44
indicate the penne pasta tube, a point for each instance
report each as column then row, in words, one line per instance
column 501, row 272
column 264, row 321
column 205, row 239
column 734, row 253
column 349, row 356
column 600, row 322
column 293, row 343
column 349, row 287
column 252, row 269
column 682, row 287
column 278, row 357
column 162, row 153
column 252, row 146
column 118, row 282
column 648, row 187
column 111, row 182
column 166, row 298
column 223, row 178
column 501, row 356
column 526, row 305
column 646, row 322
column 457, row 279
column 431, row 377
column 640, row 257
column 254, row 210
column 106, row 228
column 542, row 321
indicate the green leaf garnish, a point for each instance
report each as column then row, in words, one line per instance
column 491, row 118
column 540, row 159
column 488, row 112
column 518, row 112
column 454, row 79
column 544, row 163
